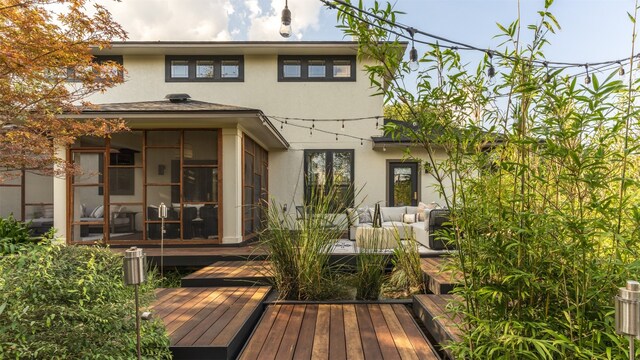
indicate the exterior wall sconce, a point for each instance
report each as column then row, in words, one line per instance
column 285, row 28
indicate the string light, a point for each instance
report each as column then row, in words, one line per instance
column 384, row 147
column 285, row 19
column 413, row 53
column 587, row 79
column 342, row 125
column 356, row 12
column 361, row 141
column 336, row 136
column 492, row 71
column 548, row 77
column 621, row 71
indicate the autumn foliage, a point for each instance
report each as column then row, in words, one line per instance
column 46, row 69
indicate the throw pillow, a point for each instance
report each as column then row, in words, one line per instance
column 364, row 215
column 392, row 213
column 409, row 218
column 98, row 212
column 83, row 210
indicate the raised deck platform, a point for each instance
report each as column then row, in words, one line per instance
column 209, row 323
column 442, row 325
column 439, row 281
column 230, row 273
column 337, row 331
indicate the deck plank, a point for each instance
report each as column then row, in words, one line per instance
column 230, row 273
column 337, row 343
column 304, row 346
column 352, row 333
column 403, row 345
column 321, row 336
column 439, row 281
column 443, row 326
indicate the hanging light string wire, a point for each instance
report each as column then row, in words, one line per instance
column 457, row 45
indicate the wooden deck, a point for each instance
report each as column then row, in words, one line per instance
column 439, row 281
column 209, row 323
column 230, row 273
column 337, row 331
column 431, row 310
column 200, row 256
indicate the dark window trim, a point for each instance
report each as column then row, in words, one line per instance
column 304, row 68
column 217, row 71
column 329, row 170
column 98, row 59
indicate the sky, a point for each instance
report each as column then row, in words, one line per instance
column 592, row 30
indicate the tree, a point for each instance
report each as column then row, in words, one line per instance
column 46, row 69
column 542, row 185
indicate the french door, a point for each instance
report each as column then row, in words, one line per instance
column 402, row 184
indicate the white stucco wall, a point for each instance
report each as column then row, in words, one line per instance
column 145, row 81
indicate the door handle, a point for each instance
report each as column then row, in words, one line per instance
column 415, row 195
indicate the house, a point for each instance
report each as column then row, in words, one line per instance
column 218, row 127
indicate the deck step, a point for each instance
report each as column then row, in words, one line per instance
column 337, row 331
column 230, row 273
column 209, row 323
column 439, row 281
column 441, row 324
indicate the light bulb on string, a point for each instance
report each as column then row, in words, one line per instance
column 491, row 71
column 548, row 76
column 414, row 65
column 336, row 136
column 281, row 125
column 587, row 79
column 313, row 123
column 342, row 125
column 285, row 27
column 621, row 71
column 384, row 147
column 361, row 142
column 377, row 122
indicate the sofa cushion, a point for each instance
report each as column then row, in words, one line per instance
column 392, row 213
column 411, row 209
column 409, row 218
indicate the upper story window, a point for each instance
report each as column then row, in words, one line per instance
column 317, row 68
column 204, row 68
column 77, row 74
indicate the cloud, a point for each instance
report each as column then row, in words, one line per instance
column 173, row 20
column 264, row 25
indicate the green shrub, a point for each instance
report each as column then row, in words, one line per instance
column 370, row 269
column 15, row 236
column 299, row 250
column 406, row 276
column 70, row 302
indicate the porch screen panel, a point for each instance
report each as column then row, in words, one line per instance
column 88, row 206
column 126, row 186
column 255, row 186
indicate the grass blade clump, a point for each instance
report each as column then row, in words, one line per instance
column 370, row 267
column 299, row 249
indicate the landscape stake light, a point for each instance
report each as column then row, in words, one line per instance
column 285, row 28
column 628, row 313
column 134, row 274
column 162, row 214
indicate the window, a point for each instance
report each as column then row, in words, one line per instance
column 291, row 68
column 317, row 68
column 341, row 69
column 28, row 196
column 327, row 169
column 76, row 74
column 204, row 68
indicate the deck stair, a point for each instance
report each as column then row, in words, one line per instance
column 209, row 323
column 337, row 331
column 230, row 273
column 439, row 322
column 439, row 281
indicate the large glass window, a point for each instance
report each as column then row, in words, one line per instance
column 327, row 169
column 145, row 169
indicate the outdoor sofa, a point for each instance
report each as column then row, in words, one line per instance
column 420, row 222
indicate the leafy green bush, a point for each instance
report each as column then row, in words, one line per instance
column 70, row 302
column 15, row 236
